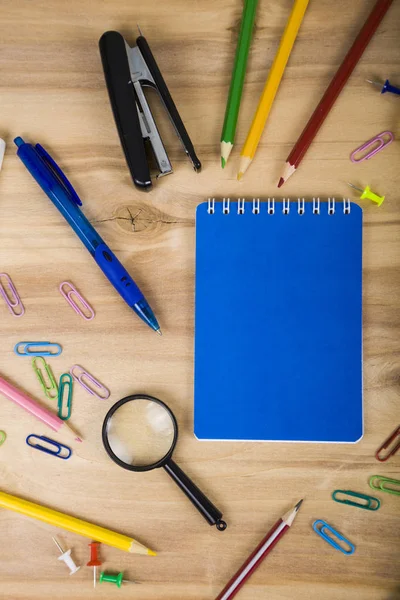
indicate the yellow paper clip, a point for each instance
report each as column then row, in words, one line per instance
column 50, row 388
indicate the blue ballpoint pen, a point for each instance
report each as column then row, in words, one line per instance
column 57, row 187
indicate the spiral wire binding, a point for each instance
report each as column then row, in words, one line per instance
column 225, row 205
column 241, row 206
column 287, row 205
column 346, row 206
column 271, row 206
column 256, row 206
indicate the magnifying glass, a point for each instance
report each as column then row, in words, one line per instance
column 139, row 434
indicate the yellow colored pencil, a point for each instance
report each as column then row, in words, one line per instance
column 271, row 85
column 58, row 519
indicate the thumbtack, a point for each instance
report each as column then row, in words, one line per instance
column 66, row 557
column 386, row 87
column 94, row 559
column 366, row 193
column 117, row 579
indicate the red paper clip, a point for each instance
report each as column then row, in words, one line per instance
column 387, row 443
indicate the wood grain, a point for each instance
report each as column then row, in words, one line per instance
column 52, row 91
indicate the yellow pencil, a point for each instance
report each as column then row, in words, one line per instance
column 58, row 519
column 271, row 85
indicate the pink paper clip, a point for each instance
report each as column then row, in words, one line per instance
column 12, row 298
column 378, row 139
column 98, row 389
column 69, row 294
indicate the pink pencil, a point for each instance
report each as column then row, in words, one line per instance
column 32, row 406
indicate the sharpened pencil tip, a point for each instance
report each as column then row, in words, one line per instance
column 223, row 162
column 239, row 175
column 159, row 331
column 298, row 504
column 281, row 182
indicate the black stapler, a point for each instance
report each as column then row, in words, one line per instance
column 127, row 71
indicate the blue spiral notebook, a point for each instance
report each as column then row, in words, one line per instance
column 278, row 321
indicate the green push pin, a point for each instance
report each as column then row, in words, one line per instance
column 366, row 193
column 111, row 578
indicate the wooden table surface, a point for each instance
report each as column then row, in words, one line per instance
column 52, row 91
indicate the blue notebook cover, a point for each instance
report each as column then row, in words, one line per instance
column 278, row 321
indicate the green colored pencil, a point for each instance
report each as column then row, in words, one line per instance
column 238, row 74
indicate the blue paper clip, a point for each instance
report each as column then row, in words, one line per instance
column 59, row 447
column 26, row 350
column 330, row 540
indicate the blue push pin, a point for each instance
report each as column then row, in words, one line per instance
column 386, row 87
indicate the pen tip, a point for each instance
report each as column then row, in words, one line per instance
column 281, row 182
column 239, row 175
column 223, row 162
column 159, row 331
column 78, row 439
column 298, row 504
column 151, row 552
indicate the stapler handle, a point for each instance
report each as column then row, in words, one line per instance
column 122, row 98
column 167, row 101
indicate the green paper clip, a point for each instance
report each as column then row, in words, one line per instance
column 381, row 484
column 2, row 437
column 371, row 502
column 50, row 389
column 62, row 386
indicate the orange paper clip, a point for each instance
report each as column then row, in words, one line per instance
column 392, row 442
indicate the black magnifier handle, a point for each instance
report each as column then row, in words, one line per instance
column 210, row 512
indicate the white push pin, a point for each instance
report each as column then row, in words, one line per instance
column 66, row 557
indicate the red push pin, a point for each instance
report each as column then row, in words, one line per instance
column 94, row 559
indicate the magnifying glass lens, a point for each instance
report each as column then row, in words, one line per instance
column 140, row 433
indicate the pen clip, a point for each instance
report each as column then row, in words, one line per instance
column 53, row 166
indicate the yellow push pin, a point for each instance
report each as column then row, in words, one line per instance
column 366, row 193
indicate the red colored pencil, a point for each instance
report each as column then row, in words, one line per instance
column 263, row 548
column 334, row 88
